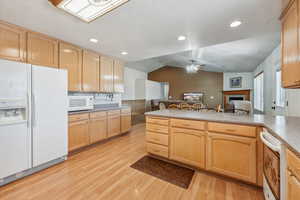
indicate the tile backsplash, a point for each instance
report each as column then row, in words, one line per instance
column 101, row 98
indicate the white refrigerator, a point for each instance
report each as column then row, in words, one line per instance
column 33, row 118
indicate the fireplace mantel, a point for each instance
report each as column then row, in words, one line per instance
column 246, row 93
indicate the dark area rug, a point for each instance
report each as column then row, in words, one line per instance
column 171, row 173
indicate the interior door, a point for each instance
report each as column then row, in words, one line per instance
column 49, row 108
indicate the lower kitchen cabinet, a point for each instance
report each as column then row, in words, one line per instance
column 188, row 146
column 293, row 176
column 233, row 156
column 78, row 134
column 125, row 120
column 98, row 129
column 293, row 187
column 113, row 123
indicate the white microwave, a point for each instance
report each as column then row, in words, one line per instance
column 77, row 103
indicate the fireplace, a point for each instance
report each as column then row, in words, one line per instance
column 236, row 95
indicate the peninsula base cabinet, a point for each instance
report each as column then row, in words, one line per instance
column 232, row 156
column 98, row 127
column 125, row 120
column 188, row 146
column 292, row 176
column 114, row 123
column 227, row 149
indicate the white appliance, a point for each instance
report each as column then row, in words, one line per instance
column 273, row 167
column 77, row 103
column 33, row 119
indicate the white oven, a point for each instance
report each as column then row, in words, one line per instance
column 273, row 167
column 77, row 103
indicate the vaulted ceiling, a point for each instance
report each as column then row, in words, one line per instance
column 149, row 28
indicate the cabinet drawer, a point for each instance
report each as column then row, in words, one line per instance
column 158, row 150
column 113, row 112
column 78, row 117
column 233, row 129
column 188, row 131
column 158, row 120
column 293, row 163
column 126, row 111
column 158, row 138
column 157, row 128
column 96, row 115
column 198, row 125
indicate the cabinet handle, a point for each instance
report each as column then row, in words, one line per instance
column 155, row 139
column 79, row 123
column 230, row 130
column 157, row 151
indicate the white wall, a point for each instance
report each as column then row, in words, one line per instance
column 247, row 81
column 269, row 66
column 131, row 79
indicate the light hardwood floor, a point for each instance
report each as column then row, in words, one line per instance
column 103, row 172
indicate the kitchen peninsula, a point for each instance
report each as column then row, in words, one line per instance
column 208, row 140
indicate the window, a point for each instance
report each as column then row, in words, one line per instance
column 259, row 92
column 280, row 95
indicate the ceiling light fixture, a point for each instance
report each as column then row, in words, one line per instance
column 181, row 38
column 88, row 10
column 235, row 24
column 93, row 40
column 124, row 53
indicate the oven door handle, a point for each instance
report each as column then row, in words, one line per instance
column 269, row 144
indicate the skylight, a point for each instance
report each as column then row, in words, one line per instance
column 89, row 10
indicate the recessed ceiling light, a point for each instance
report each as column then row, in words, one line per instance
column 235, row 24
column 124, row 53
column 93, row 40
column 181, row 38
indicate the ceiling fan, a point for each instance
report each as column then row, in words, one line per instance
column 194, row 66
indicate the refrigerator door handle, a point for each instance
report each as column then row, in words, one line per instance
column 33, row 111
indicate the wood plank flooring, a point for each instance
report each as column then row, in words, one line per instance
column 103, row 172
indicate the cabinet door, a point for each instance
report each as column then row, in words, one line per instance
column 118, row 76
column 70, row 58
column 12, row 42
column 188, row 146
column 98, row 129
column 106, row 74
column 233, row 156
column 292, row 187
column 113, row 126
column 42, row 50
column 78, row 134
column 290, row 53
column 125, row 122
column 90, row 77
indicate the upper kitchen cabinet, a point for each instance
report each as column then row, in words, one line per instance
column 12, row 42
column 42, row 50
column 106, row 74
column 70, row 58
column 290, row 47
column 90, row 72
column 118, row 76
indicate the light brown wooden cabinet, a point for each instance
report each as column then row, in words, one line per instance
column 70, row 58
column 78, row 134
column 293, row 176
column 188, row 146
column 118, row 81
column 290, row 46
column 125, row 120
column 98, row 129
column 12, row 42
column 90, row 72
column 42, row 50
column 233, row 156
column 106, row 74
column 113, row 123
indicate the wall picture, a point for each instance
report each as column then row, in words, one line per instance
column 236, row 82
